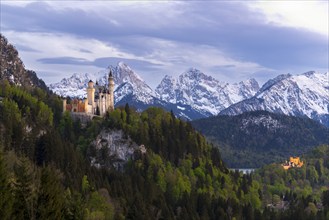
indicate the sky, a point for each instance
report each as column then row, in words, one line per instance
column 229, row 40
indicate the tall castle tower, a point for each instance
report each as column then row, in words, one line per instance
column 91, row 97
column 111, row 92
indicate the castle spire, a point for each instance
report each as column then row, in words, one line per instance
column 111, row 91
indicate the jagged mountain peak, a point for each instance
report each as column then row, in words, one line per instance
column 123, row 73
column 195, row 75
column 309, row 73
column 251, row 81
column 203, row 92
column 273, row 81
column 305, row 94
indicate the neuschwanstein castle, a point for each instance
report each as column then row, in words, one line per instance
column 100, row 99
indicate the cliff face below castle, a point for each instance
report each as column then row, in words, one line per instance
column 112, row 148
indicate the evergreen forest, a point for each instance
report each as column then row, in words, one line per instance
column 254, row 139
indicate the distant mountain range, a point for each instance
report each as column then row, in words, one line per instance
column 193, row 94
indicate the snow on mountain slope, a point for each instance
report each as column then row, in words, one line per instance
column 75, row 86
column 204, row 93
column 300, row 95
column 130, row 83
column 127, row 82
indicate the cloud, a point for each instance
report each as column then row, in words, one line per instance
column 26, row 48
column 310, row 15
column 226, row 39
column 65, row 60
column 99, row 62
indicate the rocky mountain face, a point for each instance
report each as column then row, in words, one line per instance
column 75, row 86
column 112, row 148
column 306, row 94
column 13, row 69
column 204, row 93
column 131, row 88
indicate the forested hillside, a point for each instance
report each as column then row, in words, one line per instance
column 298, row 191
column 258, row 138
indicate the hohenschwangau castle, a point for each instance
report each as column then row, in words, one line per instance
column 100, row 99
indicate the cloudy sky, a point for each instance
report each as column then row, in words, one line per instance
column 230, row 40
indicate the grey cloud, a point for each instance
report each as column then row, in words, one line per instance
column 230, row 27
column 65, row 60
column 102, row 62
column 26, row 48
column 85, row 51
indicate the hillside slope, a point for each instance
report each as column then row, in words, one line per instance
column 257, row 138
column 13, row 69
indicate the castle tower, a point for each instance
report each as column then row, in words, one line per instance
column 64, row 105
column 111, row 92
column 91, row 94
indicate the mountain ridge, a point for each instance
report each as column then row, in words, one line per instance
column 247, row 139
column 306, row 94
column 13, row 69
column 191, row 95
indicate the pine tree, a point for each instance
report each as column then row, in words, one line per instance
column 127, row 110
column 51, row 195
column 24, row 190
column 6, row 197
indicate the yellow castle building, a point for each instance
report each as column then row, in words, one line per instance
column 293, row 162
column 100, row 99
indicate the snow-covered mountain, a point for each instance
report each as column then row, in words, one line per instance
column 306, row 94
column 204, row 93
column 75, row 86
column 129, row 86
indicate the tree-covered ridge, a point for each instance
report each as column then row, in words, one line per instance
column 254, row 139
column 298, row 193
column 23, row 117
column 180, row 176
